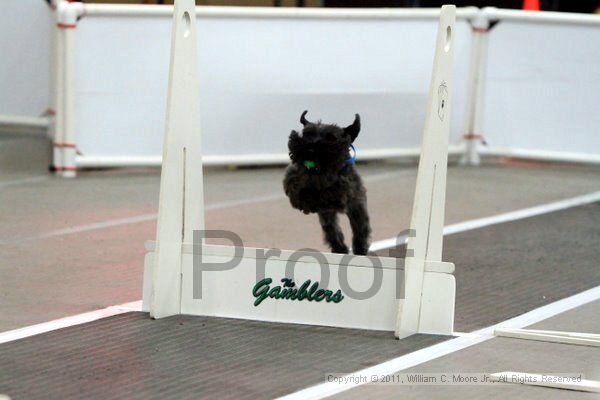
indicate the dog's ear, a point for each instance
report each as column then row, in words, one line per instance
column 292, row 142
column 292, row 138
column 352, row 130
column 303, row 119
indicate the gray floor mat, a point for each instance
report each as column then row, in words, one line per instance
column 131, row 356
column 502, row 271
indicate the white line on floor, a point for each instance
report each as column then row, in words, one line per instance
column 131, row 220
column 500, row 218
column 150, row 217
column 84, row 228
column 32, row 330
column 385, row 175
column 441, row 349
column 252, row 200
column 40, row 178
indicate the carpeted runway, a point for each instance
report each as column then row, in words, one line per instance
column 502, row 271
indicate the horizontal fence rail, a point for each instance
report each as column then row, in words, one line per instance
column 249, row 159
column 279, row 13
column 542, row 17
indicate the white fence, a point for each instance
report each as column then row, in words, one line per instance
column 260, row 67
column 25, row 56
column 543, row 86
column 258, row 71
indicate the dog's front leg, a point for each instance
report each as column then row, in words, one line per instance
column 361, row 228
column 334, row 236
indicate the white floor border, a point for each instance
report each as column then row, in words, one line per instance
column 111, row 223
column 30, row 179
column 321, row 391
column 375, row 246
column 441, row 349
column 502, row 218
column 78, row 319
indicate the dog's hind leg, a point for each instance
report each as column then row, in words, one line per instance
column 334, row 236
column 361, row 228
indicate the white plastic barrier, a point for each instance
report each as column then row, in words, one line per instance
column 527, row 86
column 259, row 69
column 25, row 53
column 542, row 92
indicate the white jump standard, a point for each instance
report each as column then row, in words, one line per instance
column 296, row 286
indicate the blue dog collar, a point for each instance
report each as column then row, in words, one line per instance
column 352, row 158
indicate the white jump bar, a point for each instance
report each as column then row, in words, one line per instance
column 584, row 339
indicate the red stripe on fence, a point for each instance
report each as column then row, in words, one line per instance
column 65, row 168
column 66, row 26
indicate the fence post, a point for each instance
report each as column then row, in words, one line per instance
column 67, row 14
column 51, row 111
column 474, row 123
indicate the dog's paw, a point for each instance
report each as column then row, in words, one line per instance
column 341, row 250
column 360, row 251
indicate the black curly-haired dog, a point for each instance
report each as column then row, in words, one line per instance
column 322, row 179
